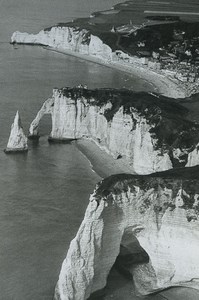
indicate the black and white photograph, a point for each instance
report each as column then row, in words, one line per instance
column 99, row 150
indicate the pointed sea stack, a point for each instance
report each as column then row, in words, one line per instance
column 17, row 141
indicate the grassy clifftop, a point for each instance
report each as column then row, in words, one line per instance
column 141, row 27
column 169, row 126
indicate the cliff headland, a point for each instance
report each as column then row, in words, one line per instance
column 145, row 221
column 151, row 222
column 149, row 132
column 162, row 49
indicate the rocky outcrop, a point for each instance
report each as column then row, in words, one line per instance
column 66, row 38
column 17, row 141
column 150, row 132
column 158, row 213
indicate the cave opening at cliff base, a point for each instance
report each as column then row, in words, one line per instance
column 130, row 256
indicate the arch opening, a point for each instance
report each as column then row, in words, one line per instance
column 45, row 125
column 120, row 278
column 131, row 254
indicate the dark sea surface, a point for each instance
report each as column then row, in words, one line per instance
column 44, row 193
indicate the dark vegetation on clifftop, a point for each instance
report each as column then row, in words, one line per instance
column 185, row 179
column 127, row 98
column 130, row 27
column 169, row 126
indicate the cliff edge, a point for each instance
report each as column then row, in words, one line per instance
column 150, row 132
column 157, row 214
column 129, row 38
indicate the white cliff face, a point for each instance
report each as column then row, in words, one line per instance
column 72, row 39
column 193, row 157
column 99, row 49
column 66, row 38
column 17, row 140
column 153, row 211
column 126, row 135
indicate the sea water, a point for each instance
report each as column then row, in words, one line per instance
column 44, row 193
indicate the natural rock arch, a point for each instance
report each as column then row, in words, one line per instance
column 131, row 254
column 125, row 126
column 155, row 211
column 47, row 108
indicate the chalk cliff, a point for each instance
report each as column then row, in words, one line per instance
column 97, row 42
column 156, row 213
column 17, row 141
column 151, row 133
column 67, row 38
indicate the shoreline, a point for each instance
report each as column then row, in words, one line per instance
column 161, row 84
column 118, row 287
column 102, row 163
